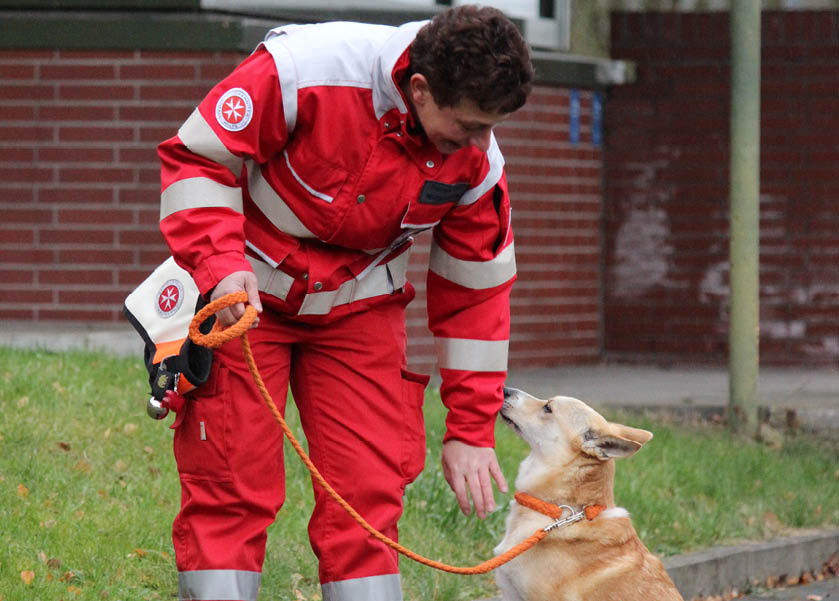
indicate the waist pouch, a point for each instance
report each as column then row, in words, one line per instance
column 161, row 309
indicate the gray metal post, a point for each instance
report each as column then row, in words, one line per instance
column 745, row 214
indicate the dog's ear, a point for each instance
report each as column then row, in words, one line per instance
column 616, row 442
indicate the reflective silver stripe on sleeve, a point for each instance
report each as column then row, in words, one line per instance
column 308, row 188
column 287, row 73
column 200, row 138
column 496, row 168
column 472, row 355
column 477, row 275
column 386, row 587
column 198, row 192
column 218, row 585
column 273, row 206
column 271, row 281
column 383, row 279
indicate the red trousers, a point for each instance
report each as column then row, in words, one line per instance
column 361, row 412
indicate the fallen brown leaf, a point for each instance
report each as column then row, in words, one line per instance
column 140, row 552
column 83, row 466
column 54, row 563
column 27, row 576
column 64, row 446
column 832, row 564
column 22, row 491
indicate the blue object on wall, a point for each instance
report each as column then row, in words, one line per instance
column 574, row 125
column 597, row 119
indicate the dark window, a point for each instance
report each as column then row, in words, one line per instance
column 547, row 9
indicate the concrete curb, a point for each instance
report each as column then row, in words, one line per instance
column 722, row 569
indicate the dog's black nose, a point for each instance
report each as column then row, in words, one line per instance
column 508, row 392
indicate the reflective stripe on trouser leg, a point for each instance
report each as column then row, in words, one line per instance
column 218, row 585
column 373, row 588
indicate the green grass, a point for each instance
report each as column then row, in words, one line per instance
column 88, row 490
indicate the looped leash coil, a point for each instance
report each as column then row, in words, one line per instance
column 218, row 336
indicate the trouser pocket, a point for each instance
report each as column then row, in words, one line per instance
column 413, row 437
column 201, row 440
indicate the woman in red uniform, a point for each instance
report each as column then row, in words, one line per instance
column 301, row 179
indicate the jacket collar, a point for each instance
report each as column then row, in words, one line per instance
column 392, row 59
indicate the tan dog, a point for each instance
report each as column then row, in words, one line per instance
column 570, row 463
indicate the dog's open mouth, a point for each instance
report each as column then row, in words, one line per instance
column 509, row 421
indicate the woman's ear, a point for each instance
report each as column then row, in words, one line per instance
column 419, row 89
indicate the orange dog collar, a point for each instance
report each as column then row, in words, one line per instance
column 554, row 511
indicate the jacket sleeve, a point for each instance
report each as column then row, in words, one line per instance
column 201, row 212
column 471, row 270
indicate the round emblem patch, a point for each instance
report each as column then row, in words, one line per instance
column 234, row 110
column 169, row 298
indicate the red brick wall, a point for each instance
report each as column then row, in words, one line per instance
column 666, row 196
column 79, row 178
column 79, row 194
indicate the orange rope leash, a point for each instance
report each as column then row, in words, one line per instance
column 219, row 336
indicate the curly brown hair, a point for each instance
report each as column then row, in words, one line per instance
column 475, row 53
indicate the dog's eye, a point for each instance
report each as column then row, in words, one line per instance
column 547, row 408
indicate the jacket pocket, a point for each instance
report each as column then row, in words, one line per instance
column 316, row 177
column 413, row 437
column 201, row 439
column 435, row 199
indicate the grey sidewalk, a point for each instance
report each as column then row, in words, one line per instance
column 812, row 393
column 645, row 385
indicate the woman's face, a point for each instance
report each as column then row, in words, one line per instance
column 451, row 128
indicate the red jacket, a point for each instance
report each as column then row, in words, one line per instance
column 302, row 167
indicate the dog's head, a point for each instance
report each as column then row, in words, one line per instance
column 561, row 428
